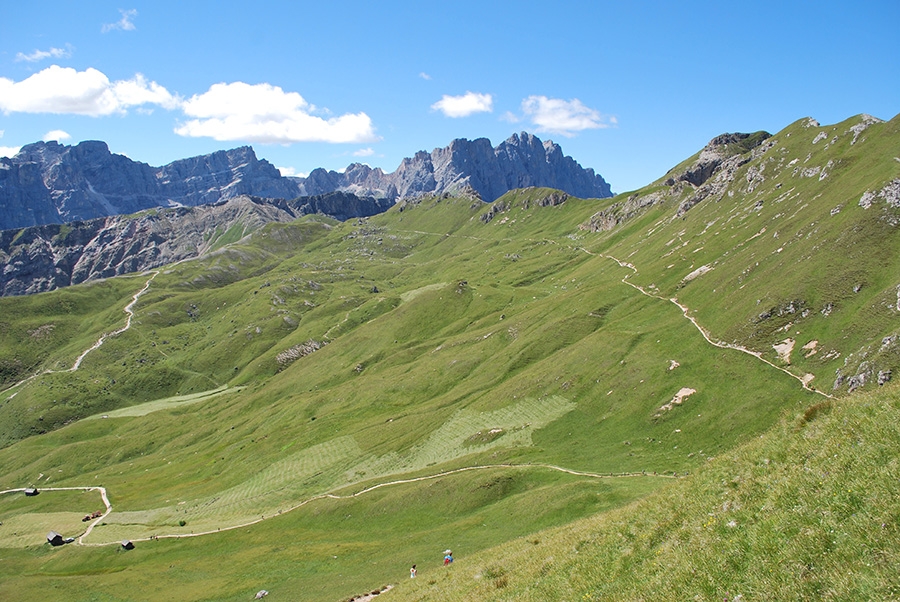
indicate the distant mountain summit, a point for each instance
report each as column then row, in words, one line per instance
column 50, row 183
column 468, row 166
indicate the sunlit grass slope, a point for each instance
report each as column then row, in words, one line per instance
column 806, row 512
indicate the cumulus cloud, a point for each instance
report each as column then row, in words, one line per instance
column 267, row 114
column 58, row 135
column 564, row 117
column 63, row 90
column 39, row 55
column 288, row 172
column 9, row 151
column 465, row 105
column 364, row 152
column 123, row 24
column 424, row 75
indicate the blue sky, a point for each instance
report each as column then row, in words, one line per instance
column 627, row 88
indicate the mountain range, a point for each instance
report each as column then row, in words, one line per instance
column 472, row 166
column 50, row 183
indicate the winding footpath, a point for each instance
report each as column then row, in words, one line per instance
column 331, row 496
column 128, row 309
column 804, row 382
column 439, row 475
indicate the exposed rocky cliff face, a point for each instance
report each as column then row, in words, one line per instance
column 468, row 165
column 47, row 182
column 708, row 175
column 50, row 256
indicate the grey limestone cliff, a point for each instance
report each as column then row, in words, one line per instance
column 468, row 165
column 47, row 182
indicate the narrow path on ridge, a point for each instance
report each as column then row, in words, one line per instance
column 684, row 310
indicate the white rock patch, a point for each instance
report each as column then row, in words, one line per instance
column 784, row 349
column 679, row 398
column 810, row 348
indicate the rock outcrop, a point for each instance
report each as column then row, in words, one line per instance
column 708, row 175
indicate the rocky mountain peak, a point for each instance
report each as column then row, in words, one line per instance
column 47, row 182
column 521, row 160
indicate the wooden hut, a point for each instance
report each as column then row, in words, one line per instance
column 31, row 491
column 127, row 544
column 55, row 539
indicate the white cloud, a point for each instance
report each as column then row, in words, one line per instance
column 267, row 114
column 424, row 75
column 58, row 135
column 63, row 90
column 39, row 55
column 510, row 117
column 9, row 151
column 564, row 117
column 364, row 152
column 123, row 24
column 138, row 91
column 465, row 105
column 288, row 172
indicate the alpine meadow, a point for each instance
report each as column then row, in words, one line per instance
column 682, row 392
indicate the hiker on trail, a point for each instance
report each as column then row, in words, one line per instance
column 412, row 572
column 448, row 557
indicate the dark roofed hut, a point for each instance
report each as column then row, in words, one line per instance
column 55, row 539
column 127, row 544
column 31, row 491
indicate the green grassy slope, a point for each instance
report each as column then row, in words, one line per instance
column 806, row 512
column 443, row 335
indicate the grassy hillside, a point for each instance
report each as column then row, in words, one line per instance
column 333, row 402
column 806, row 512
